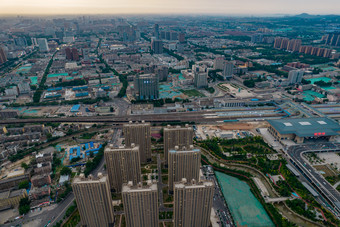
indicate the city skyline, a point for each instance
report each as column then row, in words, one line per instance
column 220, row 7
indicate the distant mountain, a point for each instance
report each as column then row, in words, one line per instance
column 306, row 15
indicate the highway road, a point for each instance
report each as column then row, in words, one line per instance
column 325, row 189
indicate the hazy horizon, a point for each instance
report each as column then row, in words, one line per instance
column 220, row 7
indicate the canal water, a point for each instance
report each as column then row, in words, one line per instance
column 245, row 208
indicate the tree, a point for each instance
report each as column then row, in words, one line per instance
column 65, row 171
column 24, row 184
column 249, row 83
column 24, row 205
column 49, row 136
column 24, row 165
column 303, row 81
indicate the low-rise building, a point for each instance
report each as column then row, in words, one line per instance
column 10, row 198
column 41, row 180
column 38, row 193
column 43, row 168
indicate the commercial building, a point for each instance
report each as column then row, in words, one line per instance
column 140, row 135
column 177, row 136
column 94, row 200
column 228, row 69
column 295, row 76
column 200, row 80
column 147, row 87
column 156, row 31
column 157, row 46
column 162, row 72
column 183, row 163
column 3, row 57
column 302, row 130
column 43, row 45
column 140, row 205
column 219, row 63
column 192, row 203
column 123, row 165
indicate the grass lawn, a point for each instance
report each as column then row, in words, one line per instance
column 192, row 93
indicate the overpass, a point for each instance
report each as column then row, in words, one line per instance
column 198, row 116
column 326, row 190
column 277, row 200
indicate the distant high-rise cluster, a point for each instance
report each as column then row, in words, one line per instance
column 287, row 44
column 294, row 45
column 332, row 39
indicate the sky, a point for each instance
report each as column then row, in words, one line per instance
column 226, row 7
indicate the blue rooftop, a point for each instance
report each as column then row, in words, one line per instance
column 75, row 108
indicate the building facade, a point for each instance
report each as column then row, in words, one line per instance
column 140, row 205
column 193, row 203
column 295, row 76
column 3, row 56
column 94, row 201
column 147, row 87
column 183, row 163
column 157, row 46
column 200, row 80
column 43, row 45
column 228, row 69
column 140, row 135
column 177, row 136
column 123, row 165
column 162, row 72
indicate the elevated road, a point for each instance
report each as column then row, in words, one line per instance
column 199, row 116
column 325, row 189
